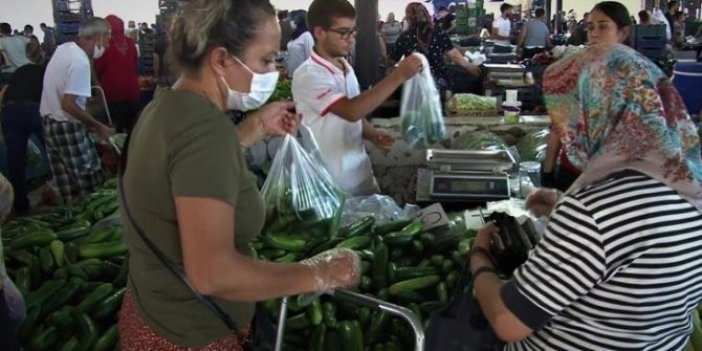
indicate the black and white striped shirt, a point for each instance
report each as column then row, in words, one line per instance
column 619, row 268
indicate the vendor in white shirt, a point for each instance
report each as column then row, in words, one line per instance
column 502, row 26
column 329, row 99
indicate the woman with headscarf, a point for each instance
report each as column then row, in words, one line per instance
column 421, row 36
column 301, row 42
column 620, row 263
column 609, row 23
column 117, row 72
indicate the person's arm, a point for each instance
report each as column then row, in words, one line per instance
column 206, row 227
column 522, row 37
column 518, row 308
column 359, row 107
column 455, row 56
column 553, row 148
column 206, row 202
column 452, row 27
column 69, row 104
column 496, row 34
column 380, row 138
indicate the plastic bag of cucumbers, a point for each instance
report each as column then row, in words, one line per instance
column 300, row 197
column 420, row 112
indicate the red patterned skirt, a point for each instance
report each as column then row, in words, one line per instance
column 135, row 335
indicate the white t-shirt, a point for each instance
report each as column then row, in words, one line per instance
column 15, row 49
column 68, row 72
column 504, row 28
column 316, row 86
column 299, row 50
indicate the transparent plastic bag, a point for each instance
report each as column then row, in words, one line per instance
column 421, row 115
column 382, row 207
column 299, row 194
column 15, row 303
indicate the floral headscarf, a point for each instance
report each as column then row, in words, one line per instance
column 615, row 110
column 413, row 12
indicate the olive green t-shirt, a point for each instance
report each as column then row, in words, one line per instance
column 184, row 146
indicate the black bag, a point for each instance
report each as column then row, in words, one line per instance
column 263, row 331
column 461, row 326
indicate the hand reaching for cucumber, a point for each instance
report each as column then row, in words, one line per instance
column 333, row 269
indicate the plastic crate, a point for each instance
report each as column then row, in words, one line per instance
column 68, row 28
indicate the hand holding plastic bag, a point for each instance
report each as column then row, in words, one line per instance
column 334, row 269
column 420, row 112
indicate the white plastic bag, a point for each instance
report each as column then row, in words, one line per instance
column 420, row 112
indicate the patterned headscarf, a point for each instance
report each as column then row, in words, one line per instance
column 615, row 110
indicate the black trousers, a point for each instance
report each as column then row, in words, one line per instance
column 124, row 115
column 8, row 335
column 20, row 121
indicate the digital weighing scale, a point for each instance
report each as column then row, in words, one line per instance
column 465, row 176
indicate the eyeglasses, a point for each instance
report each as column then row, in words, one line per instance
column 345, row 33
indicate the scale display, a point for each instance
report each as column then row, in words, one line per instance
column 489, row 187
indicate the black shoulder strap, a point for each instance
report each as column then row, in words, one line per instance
column 167, row 262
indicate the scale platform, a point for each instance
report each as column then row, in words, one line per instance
column 465, row 176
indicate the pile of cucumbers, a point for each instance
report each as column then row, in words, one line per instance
column 401, row 264
column 71, row 273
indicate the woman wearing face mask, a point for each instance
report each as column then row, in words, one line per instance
column 188, row 192
column 610, row 23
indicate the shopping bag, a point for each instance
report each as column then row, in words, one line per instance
column 299, row 195
column 420, row 112
column 461, row 325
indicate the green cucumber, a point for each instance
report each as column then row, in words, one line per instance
column 355, row 243
column 70, row 344
column 108, row 340
column 87, row 331
column 58, row 252
column 398, row 239
column 23, row 257
column 102, row 250
column 298, row 322
column 332, row 341
column 23, row 280
column 362, row 226
column 314, row 312
column 109, row 306
column 284, row 242
column 46, row 260
column 391, row 227
column 37, row 238
column 366, row 283
column 380, row 266
column 329, row 311
column 414, row 284
column 62, row 296
column 378, row 326
column 325, row 246
column 62, row 318
column 93, row 298
column 442, row 292
column 69, row 234
column 351, row 336
column 405, row 273
column 317, row 338
column 431, row 306
column 43, row 338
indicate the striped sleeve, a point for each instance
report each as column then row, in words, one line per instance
column 567, row 263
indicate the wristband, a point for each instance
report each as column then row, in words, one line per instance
column 481, row 251
column 481, row 270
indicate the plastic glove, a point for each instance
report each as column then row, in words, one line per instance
column 333, row 269
column 542, row 202
column 14, row 302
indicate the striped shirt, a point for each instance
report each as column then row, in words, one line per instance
column 619, row 268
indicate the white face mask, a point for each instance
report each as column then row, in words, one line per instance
column 262, row 87
column 98, row 52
